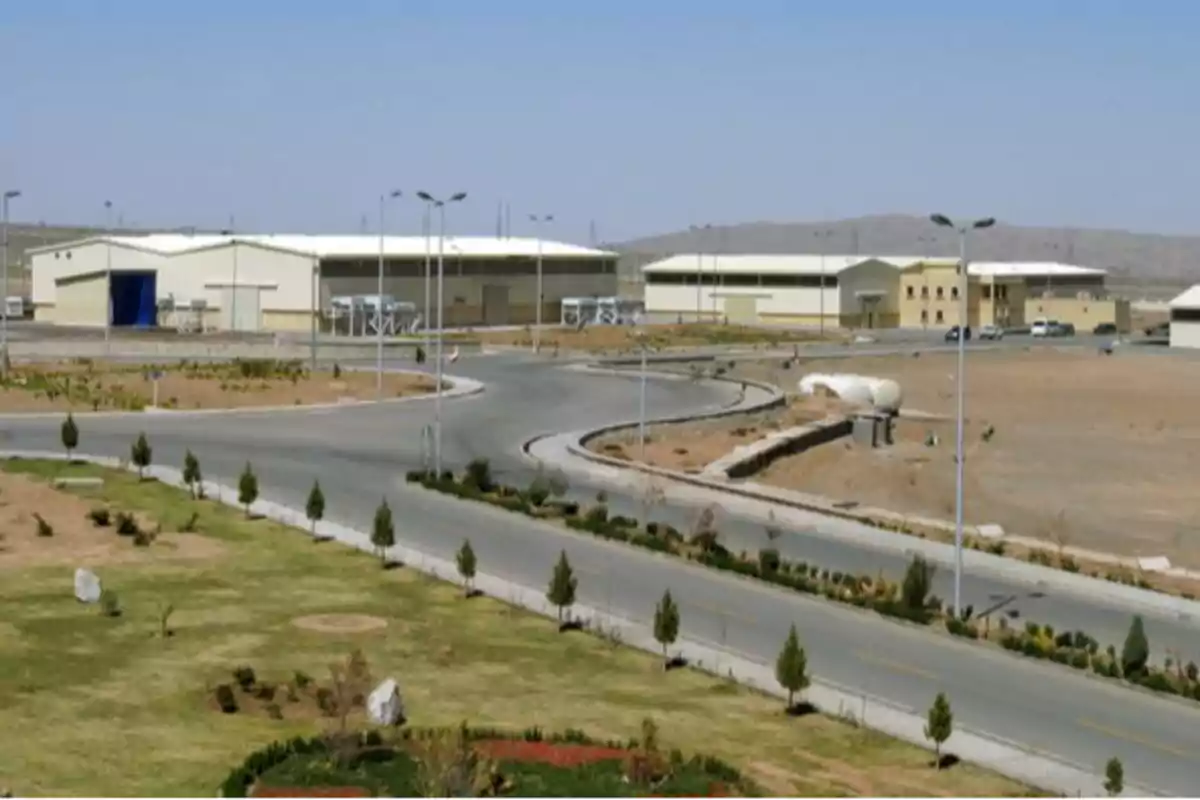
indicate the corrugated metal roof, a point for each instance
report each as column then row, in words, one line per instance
column 349, row 246
column 1189, row 299
column 812, row 265
column 771, row 264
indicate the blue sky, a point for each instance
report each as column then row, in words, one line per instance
column 643, row 117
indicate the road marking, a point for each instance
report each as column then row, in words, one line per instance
column 1135, row 738
column 895, row 666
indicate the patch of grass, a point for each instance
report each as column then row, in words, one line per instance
column 106, row 706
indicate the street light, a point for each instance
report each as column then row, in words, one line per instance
column 964, row 286
column 383, row 198
column 9, row 194
column 699, row 231
column 538, row 222
column 426, row 229
column 108, row 305
column 440, row 205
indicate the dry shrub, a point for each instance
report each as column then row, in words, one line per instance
column 449, row 766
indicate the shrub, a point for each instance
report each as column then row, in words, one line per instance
column 245, row 678
column 479, row 475
column 918, row 580
column 1136, row 650
column 126, row 524
column 226, row 699
column 110, row 604
column 247, row 488
column 769, row 561
column 100, row 516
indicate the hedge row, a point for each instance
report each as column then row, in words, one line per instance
column 908, row 600
column 242, row 778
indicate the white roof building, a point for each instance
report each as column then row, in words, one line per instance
column 808, row 264
column 1185, row 319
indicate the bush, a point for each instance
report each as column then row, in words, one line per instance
column 126, row 524
column 110, row 604
column 100, row 516
column 245, row 678
column 479, row 475
column 769, row 561
column 226, row 700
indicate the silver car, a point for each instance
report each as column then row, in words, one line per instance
column 993, row 332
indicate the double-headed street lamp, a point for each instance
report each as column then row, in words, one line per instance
column 959, row 456
column 538, row 221
column 9, row 194
column 383, row 198
column 440, row 205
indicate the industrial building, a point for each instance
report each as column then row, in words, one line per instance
column 1185, row 319
column 875, row 292
column 837, row 291
column 1008, row 295
column 279, row 282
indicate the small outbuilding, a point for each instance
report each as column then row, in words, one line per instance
column 1185, row 319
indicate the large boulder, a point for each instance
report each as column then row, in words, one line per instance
column 384, row 704
column 87, row 586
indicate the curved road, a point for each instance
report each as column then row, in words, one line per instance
column 361, row 453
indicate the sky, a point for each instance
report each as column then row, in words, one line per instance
column 629, row 118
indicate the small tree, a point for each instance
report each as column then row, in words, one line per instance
column 1114, row 777
column 666, row 622
column 791, row 667
column 140, row 454
column 563, row 584
column 314, row 507
column 383, row 531
column 191, row 473
column 466, row 565
column 70, row 435
column 918, row 580
column 1136, row 650
column 939, row 724
column 247, row 488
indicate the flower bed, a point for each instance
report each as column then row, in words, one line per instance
column 909, row 600
column 527, row 764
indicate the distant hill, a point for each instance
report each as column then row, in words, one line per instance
column 1139, row 264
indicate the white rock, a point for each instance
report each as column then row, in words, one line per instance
column 87, row 586
column 991, row 531
column 1154, row 563
column 384, row 706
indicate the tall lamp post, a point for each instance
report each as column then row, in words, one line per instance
column 427, row 230
column 699, row 231
column 108, row 304
column 383, row 198
column 959, row 456
column 9, row 194
column 538, row 221
column 440, row 205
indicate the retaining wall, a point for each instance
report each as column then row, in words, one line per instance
column 749, row 459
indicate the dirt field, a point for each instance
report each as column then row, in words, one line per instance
column 83, row 385
column 622, row 338
column 689, row 447
column 1089, row 450
column 107, row 706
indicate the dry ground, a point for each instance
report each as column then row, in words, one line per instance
column 690, row 446
column 623, row 338
column 1090, row 450
column 95, row 386
column 103, row 706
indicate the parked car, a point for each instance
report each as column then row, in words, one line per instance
column 1105, row 329
column 1042, row 327
column 993, row 332
column 1062, row 329
column 1160, row 330
column 952, row 334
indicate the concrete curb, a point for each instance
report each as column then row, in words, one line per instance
column 459, row 387
column 1008, row 758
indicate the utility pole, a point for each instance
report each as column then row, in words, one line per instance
column 539, row 221
column 959, row 450
column 7, row 196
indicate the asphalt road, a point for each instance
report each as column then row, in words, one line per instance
column 360, row 454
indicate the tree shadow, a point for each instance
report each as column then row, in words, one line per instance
column 471, row 594
column 946, row 761
column 801, row 709
column 675, row 662
column 391, row 564
column 570, row 625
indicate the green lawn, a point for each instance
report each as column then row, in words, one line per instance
column 104, row 706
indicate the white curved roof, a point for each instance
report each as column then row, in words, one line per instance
column 356, row 246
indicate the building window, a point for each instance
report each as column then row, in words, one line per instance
column 987, row 292
column 1002, row 292
column 909, row 292
column 939, row 315
column 954, row 292
column 939, row 293
column 924, row 292
column 924, row 315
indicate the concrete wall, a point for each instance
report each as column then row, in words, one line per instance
column 1083, row 314
column 81, row 301
column 753, row 458
column 285, row 279
column 881, row 281
column 1185, row 334
column 773, row 304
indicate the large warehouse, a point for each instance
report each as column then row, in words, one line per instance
column 845, row 291
column 276, row 282
column 1185, row 319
